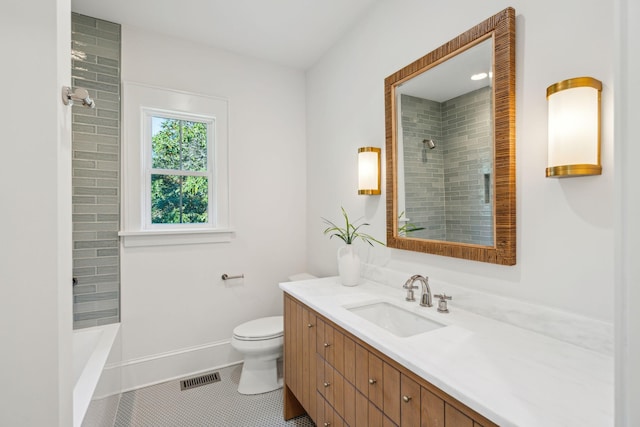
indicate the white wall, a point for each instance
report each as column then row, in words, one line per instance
column 175, row 308
column 628, row 212
column 564, row 227
column 35, row 266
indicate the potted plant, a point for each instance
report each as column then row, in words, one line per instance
column 348, row 259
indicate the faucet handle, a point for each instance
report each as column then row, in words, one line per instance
column 409, row 284
column 442, row 304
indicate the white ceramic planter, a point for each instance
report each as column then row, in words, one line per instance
column 349, row 265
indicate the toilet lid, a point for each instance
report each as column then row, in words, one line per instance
column 260, row 329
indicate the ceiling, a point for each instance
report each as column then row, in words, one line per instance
column 452, row 78
column 293, row 33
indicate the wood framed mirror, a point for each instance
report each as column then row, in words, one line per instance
column 450, row 147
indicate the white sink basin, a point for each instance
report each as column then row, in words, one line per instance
column 394, row 319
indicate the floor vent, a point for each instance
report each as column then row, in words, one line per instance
column 194, row 382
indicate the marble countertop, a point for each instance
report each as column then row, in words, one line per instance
column 511, row 375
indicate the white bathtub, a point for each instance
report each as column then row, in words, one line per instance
column 91, row 347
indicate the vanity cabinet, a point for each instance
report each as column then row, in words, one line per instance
column 340, row 380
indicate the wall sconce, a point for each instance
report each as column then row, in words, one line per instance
column 369, row 170
column 574, row 128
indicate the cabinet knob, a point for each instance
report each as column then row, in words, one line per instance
column 372, row 381
column 309, row 325
column 326, row 424
column 326, row 344
column 326, row 384
column 406, row 398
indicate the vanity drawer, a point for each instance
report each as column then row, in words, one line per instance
column 331, row 385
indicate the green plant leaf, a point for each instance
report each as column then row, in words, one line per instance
column 350, row 232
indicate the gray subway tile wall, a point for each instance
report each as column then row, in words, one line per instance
column 95, row 66
column 445, row 188
column 468, row 154
column 423, row 167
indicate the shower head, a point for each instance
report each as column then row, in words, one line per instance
column 429, row 143
column 80, row 95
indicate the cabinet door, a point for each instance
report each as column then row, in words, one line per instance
column 391, row 393
column 410, row 405
column 432, row 409
column 455, row 418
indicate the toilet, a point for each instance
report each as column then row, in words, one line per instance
column 261, row 341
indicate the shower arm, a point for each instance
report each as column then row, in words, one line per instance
column 79, row 95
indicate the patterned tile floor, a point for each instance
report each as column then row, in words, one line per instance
column 213, row 405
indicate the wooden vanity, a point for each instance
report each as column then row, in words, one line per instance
column 339, row 380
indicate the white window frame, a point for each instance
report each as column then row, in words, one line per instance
column 140, row 103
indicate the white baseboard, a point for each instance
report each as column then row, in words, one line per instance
column 119, row 377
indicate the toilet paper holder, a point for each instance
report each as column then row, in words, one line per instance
column 227, row 277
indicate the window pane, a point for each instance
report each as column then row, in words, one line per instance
column 179, row 199
column 194, row 146
column 165, row 134
column 178, row 144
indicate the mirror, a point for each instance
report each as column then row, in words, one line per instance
column 450, row 130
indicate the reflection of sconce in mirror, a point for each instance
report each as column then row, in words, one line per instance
column 574, row 128
column 78, row 95
column 369, row 170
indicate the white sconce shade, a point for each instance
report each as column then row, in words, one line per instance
column 574, row 128
column 369, row 170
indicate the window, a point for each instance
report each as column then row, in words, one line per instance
column 180, row 169
column 175, row 187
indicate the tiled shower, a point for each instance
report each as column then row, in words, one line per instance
column 95, row 66
column 453, row 180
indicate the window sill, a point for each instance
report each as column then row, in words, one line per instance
column 133, row 239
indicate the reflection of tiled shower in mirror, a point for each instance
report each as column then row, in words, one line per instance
column 447, row 149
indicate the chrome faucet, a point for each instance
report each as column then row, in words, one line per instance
column 425, row 298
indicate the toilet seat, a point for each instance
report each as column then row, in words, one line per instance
column 262, row 329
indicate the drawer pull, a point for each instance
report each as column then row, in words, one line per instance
column 372, row 381
column 326, row 384
column 326, row 424
column 309, row 325
column 406, row 398
column 326, row 344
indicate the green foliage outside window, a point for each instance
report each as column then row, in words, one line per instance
column 179, row 146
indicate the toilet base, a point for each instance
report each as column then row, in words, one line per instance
column 259, row 376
